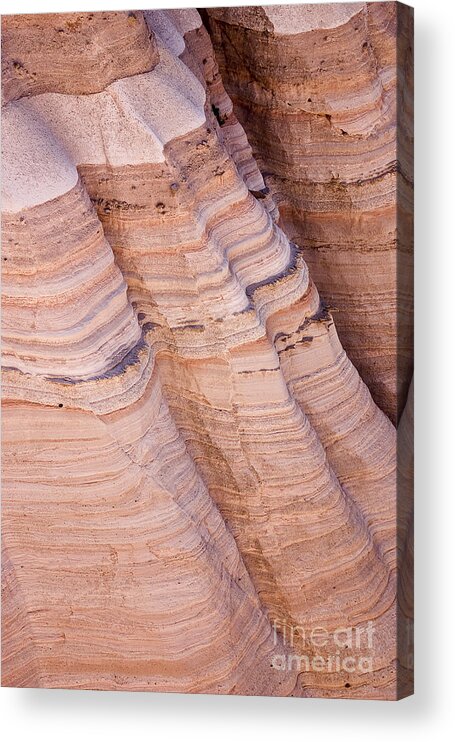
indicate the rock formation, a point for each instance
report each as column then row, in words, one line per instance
column 194, row 470
column 325, row 95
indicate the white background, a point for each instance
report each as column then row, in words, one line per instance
column 80, row 715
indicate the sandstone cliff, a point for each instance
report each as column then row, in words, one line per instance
column 193, row 465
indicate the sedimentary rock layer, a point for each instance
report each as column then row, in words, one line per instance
column 325, row 96
column 193, row 467
column 73, row 53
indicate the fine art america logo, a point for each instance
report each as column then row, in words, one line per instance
column 345, row 649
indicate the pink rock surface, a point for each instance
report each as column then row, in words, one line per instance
column 194, row 470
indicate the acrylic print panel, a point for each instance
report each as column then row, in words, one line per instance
column 207, row 348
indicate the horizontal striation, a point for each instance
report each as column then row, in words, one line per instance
column 325, row 96
column 190, row 458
